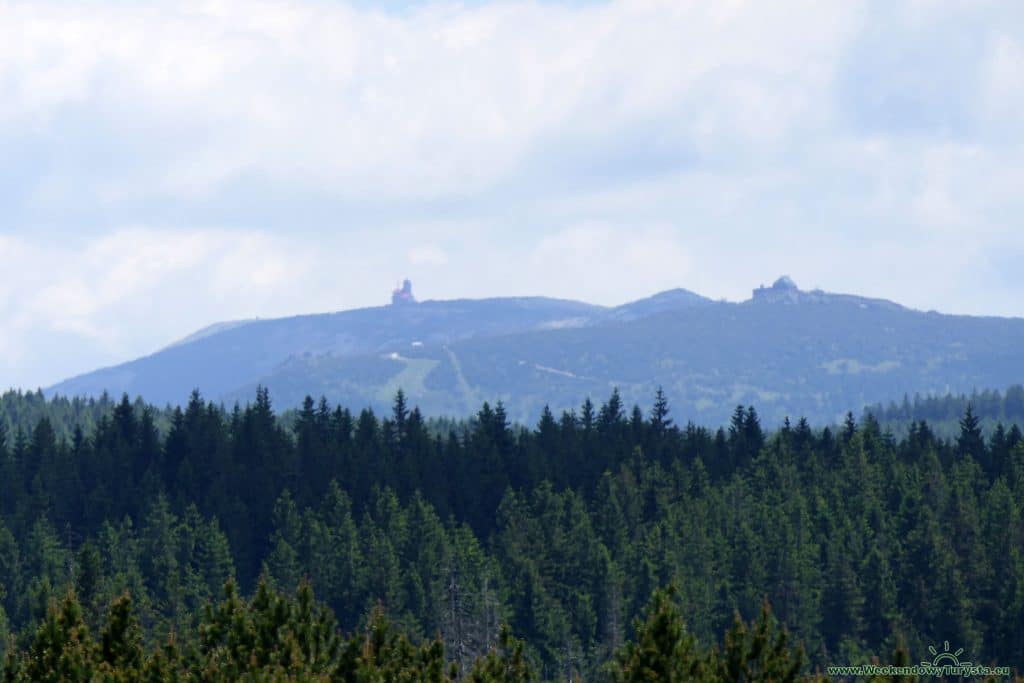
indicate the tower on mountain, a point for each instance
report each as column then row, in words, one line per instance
column 782, row 290
column 403, row 294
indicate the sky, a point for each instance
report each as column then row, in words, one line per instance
column 167, row 165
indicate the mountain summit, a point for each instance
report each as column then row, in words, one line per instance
column 785, row 291
column 785, row 350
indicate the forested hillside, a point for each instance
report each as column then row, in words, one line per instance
column 943, row 412
column 22, row 410
column 786, row 350
column 858, row 540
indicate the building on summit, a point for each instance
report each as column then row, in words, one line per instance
column 403, row 294
column 783, row 290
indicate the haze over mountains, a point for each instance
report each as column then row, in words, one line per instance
column 787, row 351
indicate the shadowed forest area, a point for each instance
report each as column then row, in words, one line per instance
column 481, row 548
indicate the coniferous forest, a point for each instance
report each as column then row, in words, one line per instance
column 609, row 543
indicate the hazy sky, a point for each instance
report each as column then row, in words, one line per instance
column 165, row 165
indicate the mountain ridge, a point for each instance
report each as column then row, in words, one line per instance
column 794, row 352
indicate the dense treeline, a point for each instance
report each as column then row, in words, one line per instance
column 22, row 410
column 857, row 539
column 276, row 638
column 943, row 412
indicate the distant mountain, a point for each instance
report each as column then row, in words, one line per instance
column 672, row 300
column 209, row 330
column 221, row 358
column 785, row 350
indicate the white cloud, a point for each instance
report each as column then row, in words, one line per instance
column 441, row 101
column 608, row 264
column 1004, row 82
column 428, row 255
